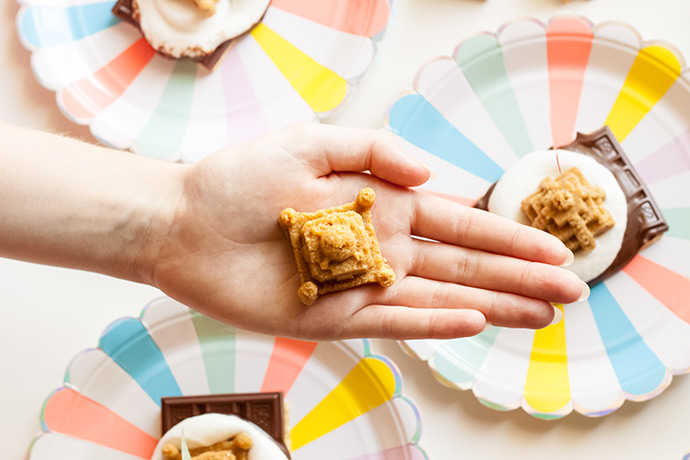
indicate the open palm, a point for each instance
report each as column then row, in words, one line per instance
column 226, row 256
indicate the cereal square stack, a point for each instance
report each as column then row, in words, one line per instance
column 570, row 209
column 336, row 248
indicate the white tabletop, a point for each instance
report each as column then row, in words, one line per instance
column 50, row 314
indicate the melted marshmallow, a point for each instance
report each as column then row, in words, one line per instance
column 178, row 28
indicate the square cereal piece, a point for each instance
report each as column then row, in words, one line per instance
column 336, row 248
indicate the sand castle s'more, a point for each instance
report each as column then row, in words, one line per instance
column 239, row 426
column 198, row 29
column 599, row 207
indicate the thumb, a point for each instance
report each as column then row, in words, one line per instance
column 330, row 149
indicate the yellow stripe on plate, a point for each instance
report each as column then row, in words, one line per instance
column 547, row 388
column 320, row 87
column 368, row 385
column 654, row 71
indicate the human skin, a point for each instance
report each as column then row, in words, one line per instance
column 207, row 234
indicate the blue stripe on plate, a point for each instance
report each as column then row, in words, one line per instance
column 413, row 118
column 639, row 370
column 43, row 26
column 129, row 344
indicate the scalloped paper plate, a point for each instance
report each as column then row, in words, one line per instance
column 341, row 399
column 527, row 87
column 298, row 64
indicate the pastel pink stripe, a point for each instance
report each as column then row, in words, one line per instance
column 287, row 361
column 87, row 97
column 73, row 414
column 407, row 452
column 245, row 117
column 458, row 199
column 668, row 287
column 362, row 17
column 568, row 46
column 670, row 160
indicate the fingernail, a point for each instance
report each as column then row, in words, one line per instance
column 569, row 259
column 432, row 173
column 557, row 316
column 397, row 140
column 585, row 292
column 488, row 326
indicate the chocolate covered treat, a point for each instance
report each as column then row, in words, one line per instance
column 265, row 410
column 644, row 224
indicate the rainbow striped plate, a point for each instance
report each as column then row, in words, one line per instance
column 341, row 399
column 298, row 64
column 527, row 87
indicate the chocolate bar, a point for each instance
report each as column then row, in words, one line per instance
column 645, row 222
column 265, row 410
column 124, row 11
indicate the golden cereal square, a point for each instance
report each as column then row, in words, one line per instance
column 336, row 248
column 571, row 209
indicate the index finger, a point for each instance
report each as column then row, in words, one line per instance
column 453, row 223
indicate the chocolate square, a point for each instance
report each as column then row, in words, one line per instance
column 265, row 410
column 645, row 222
column 123, row 10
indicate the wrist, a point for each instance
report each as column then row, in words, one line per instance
column 152, row 217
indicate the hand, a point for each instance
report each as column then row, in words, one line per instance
column 224, row 254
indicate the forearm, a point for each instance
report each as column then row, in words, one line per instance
column 76, row 205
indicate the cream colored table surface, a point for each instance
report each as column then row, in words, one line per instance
column 50, row 314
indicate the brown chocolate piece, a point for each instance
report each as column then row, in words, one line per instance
column 123, row 10
column 483, row 202
column 265, row 410
column 645, row 222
